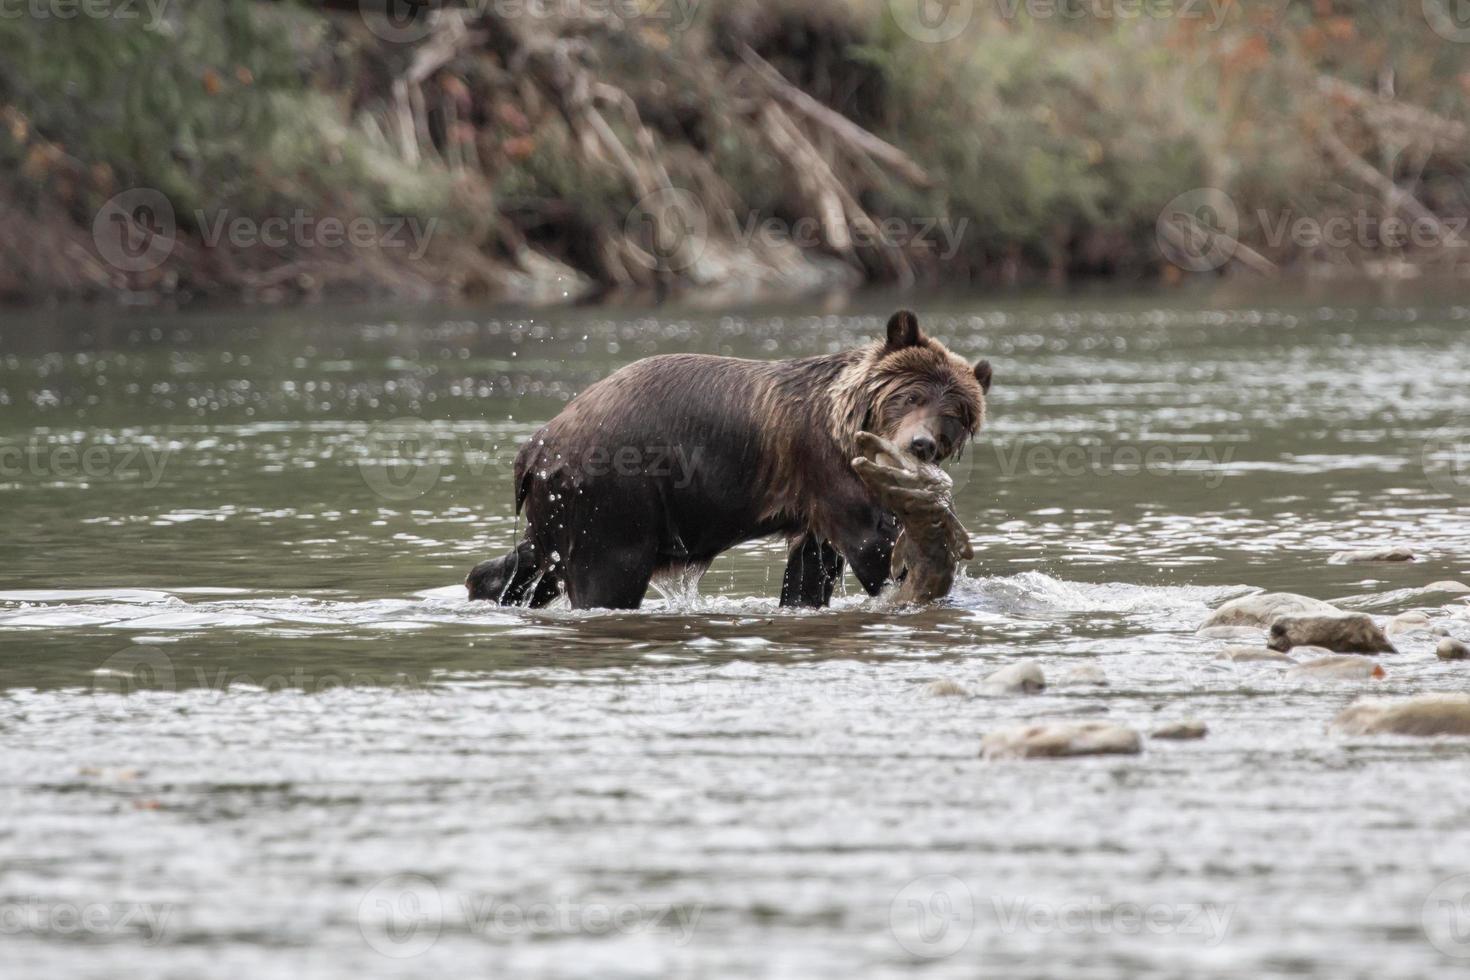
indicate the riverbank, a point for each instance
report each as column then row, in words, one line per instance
column 726, row 151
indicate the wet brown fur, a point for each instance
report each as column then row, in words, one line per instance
column 775, row 441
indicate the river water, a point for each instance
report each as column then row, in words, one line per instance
column 252, row 728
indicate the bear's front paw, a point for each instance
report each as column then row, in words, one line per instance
column 932, row 541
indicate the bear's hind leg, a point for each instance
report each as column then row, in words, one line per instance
column 811, row 574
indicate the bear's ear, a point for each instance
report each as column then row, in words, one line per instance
column 982, row 375
column 903, row 331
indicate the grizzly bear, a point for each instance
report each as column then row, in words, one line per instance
column 673, row 459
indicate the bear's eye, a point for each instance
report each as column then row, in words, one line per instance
column 912, row 399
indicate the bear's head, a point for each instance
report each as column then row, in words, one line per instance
column 920, row 396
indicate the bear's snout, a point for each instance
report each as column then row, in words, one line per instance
column 925, row 448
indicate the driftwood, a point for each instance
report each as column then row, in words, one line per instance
column 1393, row 115
column 1395, row 197
column 839, row 125
column 931, row 540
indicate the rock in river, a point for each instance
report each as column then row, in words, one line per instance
column 1452, row 649
column 1427, row 714
column 1059, row 739
column 948, row 689
column 1086, row 675
column 1372, row 554
column 1022, row 678
column 1337, row 669
column 1343, row 633
column 1408, row 622
column 1181, row 730
column 1265, row 608
column 1250, row 655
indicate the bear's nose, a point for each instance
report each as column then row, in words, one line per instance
column 924, row 448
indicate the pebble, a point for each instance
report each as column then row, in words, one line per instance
column 1060, row 739
column 1022, row 678
column 1407, row 623
column 1265, row 608
column 1447, row 586
column 1182, row 731
column 1452, row 649
column 1249, row 655
column 948, row 689
column 1086, row 674
column 1343, row 633
column 1397, row 553
column 1427, row 714
column 1337, row 669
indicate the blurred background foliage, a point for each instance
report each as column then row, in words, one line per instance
column 535, row 142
